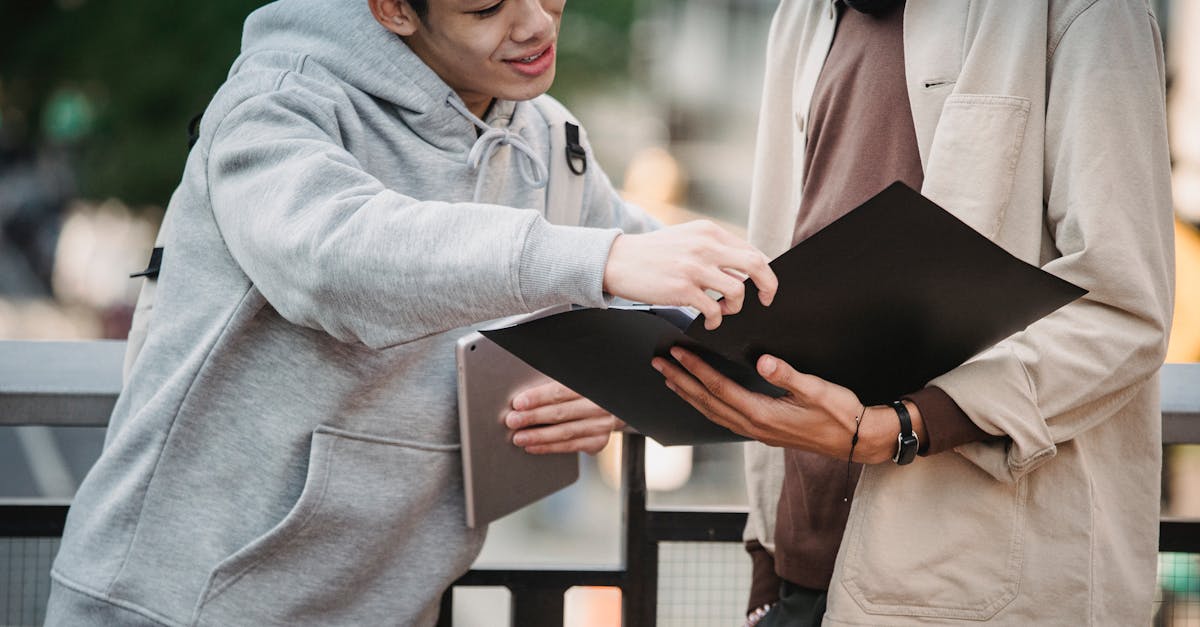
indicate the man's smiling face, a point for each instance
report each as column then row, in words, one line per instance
column 483, row 49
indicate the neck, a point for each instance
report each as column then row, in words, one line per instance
column 478, row 105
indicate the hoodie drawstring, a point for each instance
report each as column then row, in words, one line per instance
column 533, row 170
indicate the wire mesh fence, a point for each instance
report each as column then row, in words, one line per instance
column 1178, row 601
column 25, row 579
column 702, row 584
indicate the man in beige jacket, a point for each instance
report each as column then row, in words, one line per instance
column 1041, row 124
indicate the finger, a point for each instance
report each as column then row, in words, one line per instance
column 757, row 266
column 566, row 432
column 704, row 402
column 544, row 394
column 710, row 308
column 740, row 277
column 695, row 394
column 551, row 434
column 806, row 388
column 754, row 264
column 591, row 445
column 732, row 289
column 727, row 390
column 554, row 414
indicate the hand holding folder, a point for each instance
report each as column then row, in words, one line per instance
column 893, row 294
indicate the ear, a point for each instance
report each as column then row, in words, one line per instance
column 396, row 16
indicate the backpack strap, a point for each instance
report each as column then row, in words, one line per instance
column 140, row 326
column 569, row 156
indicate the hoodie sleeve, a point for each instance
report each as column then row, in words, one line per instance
column 332, row 249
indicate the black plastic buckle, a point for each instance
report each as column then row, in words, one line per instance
column 152, row 268
column 575, row 151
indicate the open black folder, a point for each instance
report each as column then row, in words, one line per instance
column 893, row 294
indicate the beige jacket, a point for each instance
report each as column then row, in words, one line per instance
column 1042, row 125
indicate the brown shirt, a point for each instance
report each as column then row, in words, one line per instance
column 860, row 140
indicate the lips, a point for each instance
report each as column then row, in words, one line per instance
column 535, row 64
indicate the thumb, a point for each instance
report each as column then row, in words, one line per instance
column 779, row 373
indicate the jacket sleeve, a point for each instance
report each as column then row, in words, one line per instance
column 1108, row 211
column 331, row 248
column 764, row 583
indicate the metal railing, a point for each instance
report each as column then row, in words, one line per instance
column 76, row 384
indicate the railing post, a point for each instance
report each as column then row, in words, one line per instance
column 537, row 606
column 640, row 594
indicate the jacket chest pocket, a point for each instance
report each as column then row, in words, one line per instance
column 949, row 552
column 973, row 158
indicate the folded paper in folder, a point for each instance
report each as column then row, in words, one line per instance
column 888, row 297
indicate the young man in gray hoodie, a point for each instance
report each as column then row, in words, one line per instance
column 367, row 187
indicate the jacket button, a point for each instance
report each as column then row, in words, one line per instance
column 800, row 121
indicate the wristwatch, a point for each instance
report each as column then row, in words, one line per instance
column 907, row 442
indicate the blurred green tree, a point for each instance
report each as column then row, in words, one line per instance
column 594, row 47
column 118, row 80
column 144, row 68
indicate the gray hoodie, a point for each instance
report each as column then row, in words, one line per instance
column 286, row 449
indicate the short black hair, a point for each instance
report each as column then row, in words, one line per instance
column 420, row 6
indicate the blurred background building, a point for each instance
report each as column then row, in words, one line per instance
column 95, row 98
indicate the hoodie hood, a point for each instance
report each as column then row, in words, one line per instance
column 343, row 37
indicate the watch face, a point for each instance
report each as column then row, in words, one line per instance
column 907, row 449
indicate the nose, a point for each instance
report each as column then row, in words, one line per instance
column 537, row 20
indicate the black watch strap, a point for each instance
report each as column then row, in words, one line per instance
column 907, row 442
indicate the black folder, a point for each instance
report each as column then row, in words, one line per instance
column 888, row 297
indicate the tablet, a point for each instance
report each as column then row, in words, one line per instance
column 498, row 477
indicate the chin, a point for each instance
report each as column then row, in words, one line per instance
column 531, row 89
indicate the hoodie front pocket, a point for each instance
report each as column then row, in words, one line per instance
column 376, row 534
column 952, row 550
column 973, row 159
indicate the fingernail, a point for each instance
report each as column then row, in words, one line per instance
column 520, row 440
column 768, row 365
column 677, row 353
column 519, row 402
column 670, row 386
column 656, row 364
column 512, row 420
